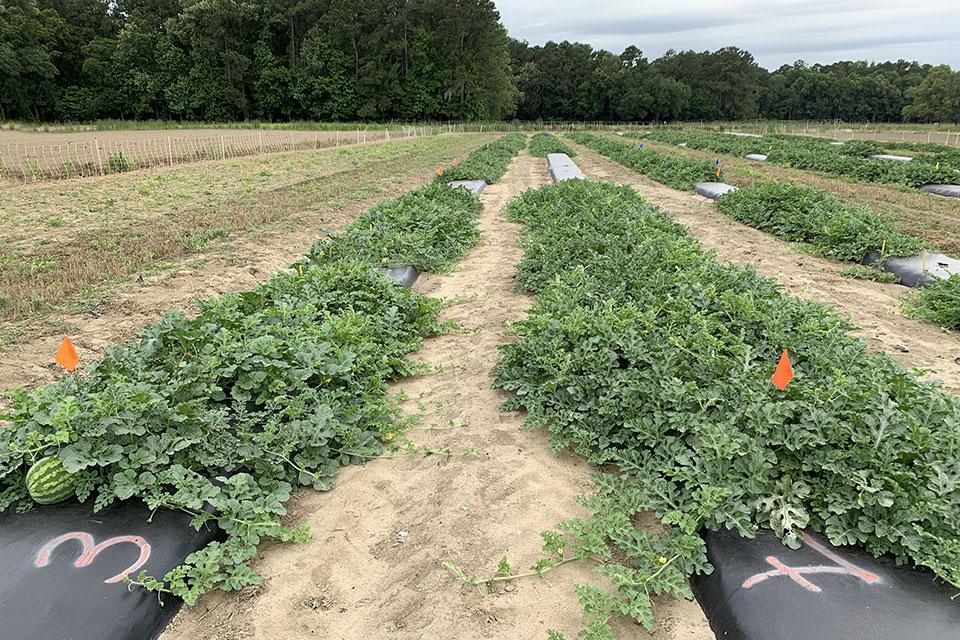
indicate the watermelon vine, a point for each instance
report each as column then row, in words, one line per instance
column 816, row 154
column 649, row 357
column 223, row 415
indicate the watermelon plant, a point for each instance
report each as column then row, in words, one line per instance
column 653, row 360
column 833, row 228
column 224, row 414
column 542, row 144
column 938, row 302
column 489, row 162
column 816, row 154
column 430, row 228
column 676, row 172
column 797, row 213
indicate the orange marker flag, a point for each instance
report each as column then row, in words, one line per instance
column 718, row 171
column 67, row 356
column 439, row 171
column 784, row 373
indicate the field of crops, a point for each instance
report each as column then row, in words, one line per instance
column 933, row 164
column 421, row 447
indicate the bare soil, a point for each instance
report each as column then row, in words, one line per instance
column 373, row 570
column 873, row 307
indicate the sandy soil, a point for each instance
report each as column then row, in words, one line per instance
column 373, row 569
column 873, row 307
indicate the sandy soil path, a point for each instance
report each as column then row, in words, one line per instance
column 872, row 306
column 373, row 569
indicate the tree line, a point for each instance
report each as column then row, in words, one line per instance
column 341, row 60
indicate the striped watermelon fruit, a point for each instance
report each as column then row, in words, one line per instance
column 48, row 482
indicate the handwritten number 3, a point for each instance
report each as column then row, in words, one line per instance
column 91, row 551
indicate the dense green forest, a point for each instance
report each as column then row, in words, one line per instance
column 222, row 60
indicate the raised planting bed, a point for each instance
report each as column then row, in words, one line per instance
column 403, row 274
column 679, row 173
column 543, row 144
column 563, row 168
column 212, row 421
column 653, row 360
column 890, row 157
column 946, row 190
column 814, row 154
column 833, row 228
column 918, row 270
column 489, row 162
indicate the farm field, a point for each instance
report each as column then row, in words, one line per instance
column 74, row 250
column 453, row 478
column 32, row 156
column 933, row 218
column 390, row 523
column 873, row 307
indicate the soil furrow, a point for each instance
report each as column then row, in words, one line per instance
column 373, row 569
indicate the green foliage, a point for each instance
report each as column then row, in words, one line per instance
column 865, row 272
column 645, row 353
column 118, row 163
column 935, row 99
column 679, row 173
column 542, row 144
column 430, row 228
column 489, row 162
column 815, row 154
column 224, row 414
column 263, row 391
column 938, row 302
column 803, row 214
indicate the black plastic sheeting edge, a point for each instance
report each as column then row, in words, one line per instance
column 403, row 274
column 563, row 168
column 946, row 190
column 762, row 590
column 475, row 187
column 713, row 190
column 63, row 569
column 918, row 271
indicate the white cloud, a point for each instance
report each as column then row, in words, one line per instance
column 775, row 31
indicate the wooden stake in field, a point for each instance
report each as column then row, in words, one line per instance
column 99, row 160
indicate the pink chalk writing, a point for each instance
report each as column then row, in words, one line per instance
column 844, row 567
column 91, row 551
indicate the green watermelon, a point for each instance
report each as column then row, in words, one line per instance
column 48, row 482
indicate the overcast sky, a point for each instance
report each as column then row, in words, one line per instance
column 775, row 31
